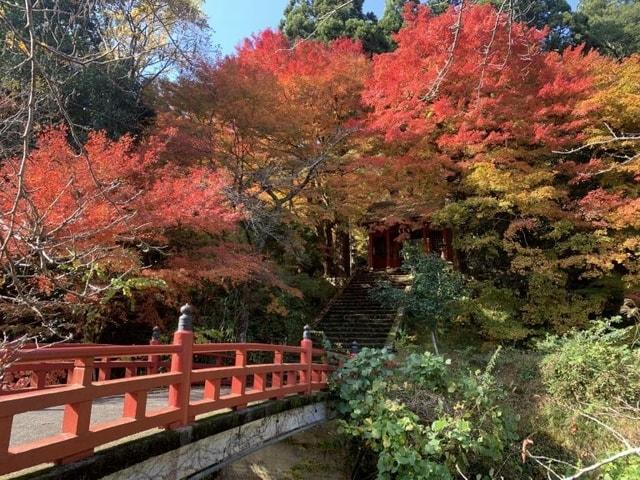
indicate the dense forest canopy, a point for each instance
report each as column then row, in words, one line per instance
column 141, row 169
column 491, row 118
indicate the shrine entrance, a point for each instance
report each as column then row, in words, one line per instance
column 386, row 241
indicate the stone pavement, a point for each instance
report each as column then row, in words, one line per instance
column 31, row 426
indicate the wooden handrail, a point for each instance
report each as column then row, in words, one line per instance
column 96, row 351
column 246, row 347
column 79, row 437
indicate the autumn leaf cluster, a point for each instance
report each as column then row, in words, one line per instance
column 280, row 150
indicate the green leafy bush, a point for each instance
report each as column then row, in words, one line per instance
column 494, row 312
column 628, row 469
column 436, row 293
column 592, row 366
column 422, row 420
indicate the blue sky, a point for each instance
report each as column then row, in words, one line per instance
column 233, row 20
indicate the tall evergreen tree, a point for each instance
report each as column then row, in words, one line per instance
column 392, row 20
column 611, row 26
column 327, row 20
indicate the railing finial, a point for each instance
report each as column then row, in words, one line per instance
column 306, row 333
column 355, row 348
column 155, row 333
column 185, row 322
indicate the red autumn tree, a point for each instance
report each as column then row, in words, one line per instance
column 470, row 108
column 470, row 79
column 72, row 221
column 277, row 117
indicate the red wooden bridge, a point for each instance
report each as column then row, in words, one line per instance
column 231, row 375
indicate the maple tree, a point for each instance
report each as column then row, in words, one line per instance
column 481, row 126
column 85, row 220
column 279, row 119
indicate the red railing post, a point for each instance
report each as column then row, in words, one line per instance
column 306, row 358
column 154, row 360
column 5, row 436
column 276, row 376
column 238, row 381
column 77, row 416
column 182, row 362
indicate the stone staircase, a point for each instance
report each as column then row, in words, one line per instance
column 354, row 315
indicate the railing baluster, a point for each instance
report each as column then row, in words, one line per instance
column 212, row 389
column 258, row 382
column 135, row 405
column 104, row 371
column 238, row 381
column 38, row 379
column 77, row 416
column 182, row 362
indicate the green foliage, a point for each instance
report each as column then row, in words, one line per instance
column 127, row 287
column 611, row 26
column 392, row 20
column 533, row 274
column 435, row 293
column 553, row 14
column 252, row 311
column 494, row 311
column 421, row 419
column 106, row 98
column 628, row 469
column 593, row 366
column 324, row 20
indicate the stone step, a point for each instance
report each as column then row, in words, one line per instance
column 363, row 313
column 349, row 323
column 378, row 326
column 357, row 320
column 357, row 332
column 355, row 315
column 361, row 341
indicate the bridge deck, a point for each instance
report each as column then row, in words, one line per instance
column 195, row 451
column 159, row 390
column 38, row 424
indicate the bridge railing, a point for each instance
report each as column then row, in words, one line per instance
column 194, row 388
column 25, row 375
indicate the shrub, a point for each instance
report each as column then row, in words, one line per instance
column 592, row 366
column 422, row 420
column 435, row 294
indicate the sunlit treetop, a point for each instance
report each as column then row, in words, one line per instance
column 483, row 81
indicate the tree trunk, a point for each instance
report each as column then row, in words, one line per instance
column 345, row 250
column 329, row 247
column 435, row 343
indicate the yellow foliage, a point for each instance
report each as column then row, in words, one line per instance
column 616, row 97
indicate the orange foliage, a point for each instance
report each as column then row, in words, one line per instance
column 274, row 116
column 493, row 86
column 91, row 208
